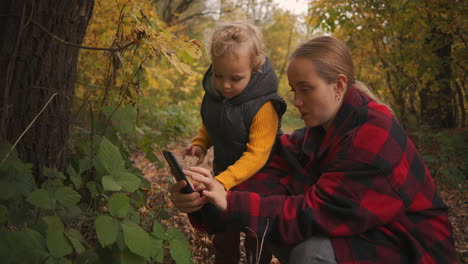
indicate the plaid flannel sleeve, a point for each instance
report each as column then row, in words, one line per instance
column 341, row 203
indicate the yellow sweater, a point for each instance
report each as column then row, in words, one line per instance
column 261, row 139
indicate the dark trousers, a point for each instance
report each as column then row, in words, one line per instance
column 315, row 250
column 227, row 249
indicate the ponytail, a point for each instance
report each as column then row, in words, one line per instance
column 363, row 89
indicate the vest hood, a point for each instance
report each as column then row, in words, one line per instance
column 263, row 82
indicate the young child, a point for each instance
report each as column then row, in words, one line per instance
column 241, row 114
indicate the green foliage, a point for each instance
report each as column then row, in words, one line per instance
column 445, row 152
column 88, row 222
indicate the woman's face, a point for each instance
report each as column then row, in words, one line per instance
column 317, row 100
column 231, row 74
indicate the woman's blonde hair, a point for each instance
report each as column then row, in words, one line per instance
column 234, row 36
column 331, row 57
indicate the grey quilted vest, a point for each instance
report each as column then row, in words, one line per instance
column 228, row 120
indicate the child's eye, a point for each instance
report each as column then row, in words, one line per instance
column 218, row 76
column 236, row 79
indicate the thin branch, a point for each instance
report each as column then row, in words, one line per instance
column 27, row 128
column 201, row 14
column 73, row 44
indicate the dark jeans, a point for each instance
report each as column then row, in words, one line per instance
column 227, row 249
column 315, row 250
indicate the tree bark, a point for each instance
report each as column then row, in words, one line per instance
column 437, row 108
column 34, row 67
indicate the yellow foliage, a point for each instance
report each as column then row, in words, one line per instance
column 151, row 61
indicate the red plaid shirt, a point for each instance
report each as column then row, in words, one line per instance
column 361, row 183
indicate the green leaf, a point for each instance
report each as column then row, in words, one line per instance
column 67, row 196
column 151, row 157
column 134, row 216
column 41, row 199
column 7, row 190
column 128, row 181
column 64, row 261
column 53, row 173
column 84, row 164
column 23, row 246
column 92, row 188
column 158, row 230
column 127, row 119
column 109, row 183
column 179, row 248
column 52, row 260
column 75, row 238
column 119, row 205
column 88, row 257
column 109, row 156
column 75, row 178
column 136, row 239
column 157, row 249
column 128, row 257
column 107, row 229
column 57, row 243
column 3, row 214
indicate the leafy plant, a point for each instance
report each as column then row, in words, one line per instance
column 445, row 152
column 90, row 214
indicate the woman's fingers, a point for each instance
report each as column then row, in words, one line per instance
column 185, row 202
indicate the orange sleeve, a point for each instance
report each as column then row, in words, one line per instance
column 261, row 139
column 202, row 139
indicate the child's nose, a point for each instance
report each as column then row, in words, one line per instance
column 226, row 84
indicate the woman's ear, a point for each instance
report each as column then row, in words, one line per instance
column 341, row 84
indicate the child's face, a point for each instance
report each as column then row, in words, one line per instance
column 231, row 73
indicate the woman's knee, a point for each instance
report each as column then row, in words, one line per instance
column 317, row 249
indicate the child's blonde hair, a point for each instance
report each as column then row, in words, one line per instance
column 231, row 37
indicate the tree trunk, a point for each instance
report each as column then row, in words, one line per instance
column 437, row 107
column 34, row 68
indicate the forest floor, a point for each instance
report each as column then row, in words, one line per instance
column 200, row 243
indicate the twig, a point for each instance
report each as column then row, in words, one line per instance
column 258, row 252
column 263, row 239
column 27, row 128
column 73, row 44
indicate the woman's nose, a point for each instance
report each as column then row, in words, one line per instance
column 297, row 101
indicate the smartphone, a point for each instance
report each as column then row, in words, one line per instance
column 177, row 170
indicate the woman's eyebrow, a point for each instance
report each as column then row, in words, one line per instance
column 300, row 83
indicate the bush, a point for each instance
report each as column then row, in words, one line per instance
column 444, row 152
column 95, row 212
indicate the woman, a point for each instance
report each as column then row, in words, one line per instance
column 348, row 188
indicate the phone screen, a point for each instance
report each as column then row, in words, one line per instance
column 177, row 170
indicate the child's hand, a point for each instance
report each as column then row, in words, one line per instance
column 197, row 151
column 214, row 191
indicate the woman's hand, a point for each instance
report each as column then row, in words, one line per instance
column 186, row 203
column 194, row 150
column 214, row 191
